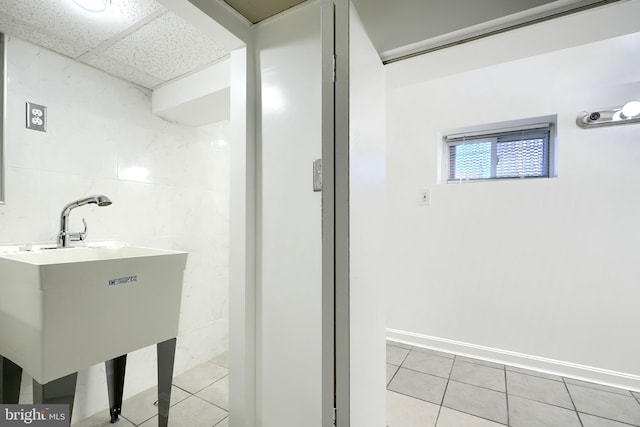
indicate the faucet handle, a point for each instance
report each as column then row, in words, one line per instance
column 81, row 235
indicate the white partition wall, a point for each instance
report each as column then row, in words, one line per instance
column 367, row 178
column 540, row 273
column 289, row 298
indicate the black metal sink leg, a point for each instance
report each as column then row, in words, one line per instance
column 115, row 384
column 10, row 378
column 166, row 357
column 60, row 391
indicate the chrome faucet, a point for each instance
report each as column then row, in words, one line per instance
column 65, row 237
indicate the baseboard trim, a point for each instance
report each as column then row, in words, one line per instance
column 526, row 361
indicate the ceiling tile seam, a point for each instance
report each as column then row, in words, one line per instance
column 131, row 75
column 106, row 44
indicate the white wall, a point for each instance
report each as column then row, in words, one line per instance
column 101, row 137
column 543, row 272
column 289, row 299
column 367, row 177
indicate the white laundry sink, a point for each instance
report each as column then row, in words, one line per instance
column 65, row 309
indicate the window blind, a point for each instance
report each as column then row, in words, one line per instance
column 513, row 153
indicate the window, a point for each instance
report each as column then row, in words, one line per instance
column 522, row 152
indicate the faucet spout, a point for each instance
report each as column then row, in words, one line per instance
column 64, row 236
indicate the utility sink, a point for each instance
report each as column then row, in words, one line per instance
column 65, row 309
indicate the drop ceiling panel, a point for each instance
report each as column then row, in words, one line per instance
column 24, row 30
column 80, row 30
column 257, row 10
column 166, row 48
column 131, row 73
column 137, row 40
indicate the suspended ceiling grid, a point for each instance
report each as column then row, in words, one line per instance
column 137, row 40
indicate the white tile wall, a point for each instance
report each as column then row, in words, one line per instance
column 169, row 185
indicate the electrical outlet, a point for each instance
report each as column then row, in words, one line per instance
column 36, row 117
column 425, row 197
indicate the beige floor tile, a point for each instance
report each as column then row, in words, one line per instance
column 140, row 407
column 478, row 401
column 396, row 355
column 596, row 386
column 604, row 404
column 428, row 363
column 593, row 421
column 221, row 360
column 452, row 418
column 101, row 419
column 405, row 411
column 398, row 344
column 537, row 388
column 480, row 375
column 529, row 413
column 192, row 412
column 200, row 377
column 421, row 386
column 217, row 393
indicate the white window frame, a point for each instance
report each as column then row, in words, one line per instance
column 484, row 133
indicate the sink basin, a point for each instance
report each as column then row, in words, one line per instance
column 64, row 310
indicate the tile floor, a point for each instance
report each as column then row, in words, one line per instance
column 199, row 398
column 426, row 388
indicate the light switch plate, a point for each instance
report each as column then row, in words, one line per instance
column 36, row 117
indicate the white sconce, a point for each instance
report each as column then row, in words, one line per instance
column 627, row 114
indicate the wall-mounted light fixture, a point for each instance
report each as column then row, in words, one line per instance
column 93, row 5
column 627, row 114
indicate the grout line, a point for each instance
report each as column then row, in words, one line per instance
column 544, row 403
column 481, row 362
column 572, row 402
column 593, row 386
column 453, row 362
column 220, row 422
column 506, row 395
column 425, row 373
column 446, row 386
column 399, row 345
column 605, row 418
column 412, row 397
column 128, row 420
column 405, row 358
column 436, row 353
column 477, row 416
column 477, row 386
column 444, row 393
column 439, row 410
column 532, row 373
column 183, row 389
column 393, row 376
column 210, row 403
